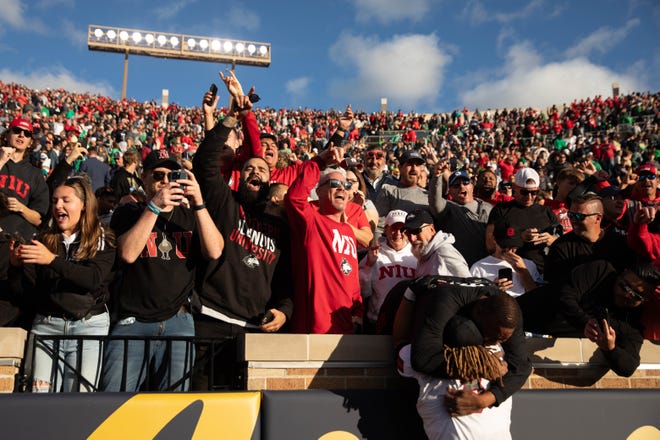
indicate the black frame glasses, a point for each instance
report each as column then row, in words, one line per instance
column 19, row 130
column 579, row 216
column 630, row 291
column 646, row 177
column 336, row 183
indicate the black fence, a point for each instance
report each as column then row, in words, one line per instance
column 214, row 360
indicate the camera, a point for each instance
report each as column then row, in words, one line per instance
column 175, row 175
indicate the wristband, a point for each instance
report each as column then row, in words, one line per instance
column 199, row 207
column 151, row 206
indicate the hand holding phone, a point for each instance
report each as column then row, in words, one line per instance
column 505, row 273
column 214, row 92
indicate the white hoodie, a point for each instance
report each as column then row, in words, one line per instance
column 390, row 268
column 440, row 257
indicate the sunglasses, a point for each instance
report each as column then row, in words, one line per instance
column 159, row 176
column 630, row 291
column 336, row 183
column 414, row 231
column 375, row 155
column 643, row 177
column 459, row 183
column 579, row 217
column 26, row 133
column 528, row 192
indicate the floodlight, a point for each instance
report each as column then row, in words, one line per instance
column 177, row 46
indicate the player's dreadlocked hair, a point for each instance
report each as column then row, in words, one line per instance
column 472, row 363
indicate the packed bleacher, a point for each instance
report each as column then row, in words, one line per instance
column 127, row 218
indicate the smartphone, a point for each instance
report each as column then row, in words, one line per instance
column 175, row 175
column 603, row 315
column 214, row 91
column 505, row 272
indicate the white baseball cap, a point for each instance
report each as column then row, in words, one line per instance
column 395, row 216
column 527, row 178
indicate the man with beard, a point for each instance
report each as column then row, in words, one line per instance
column 247, row 289
column 435, row 251
column 463, row 216
column 486, row 188
column 374, row 172
column 231, row 159
column 407, row 195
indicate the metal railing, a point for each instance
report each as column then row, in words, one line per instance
column 228, row 376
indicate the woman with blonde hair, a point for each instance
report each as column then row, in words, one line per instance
column 65, row 273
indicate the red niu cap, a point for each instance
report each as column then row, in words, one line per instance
column 22, row 123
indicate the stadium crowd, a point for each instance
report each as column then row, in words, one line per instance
column 207, row 214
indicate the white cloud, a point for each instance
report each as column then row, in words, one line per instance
column 526, row 81
column 55, row 78
column 172, row 9
column 298, row 86
column 407, row 69
column 13, row 12
column 387, row 11
column 74, row 34
column 602, row 40
column 476, row 13
column 243, row 19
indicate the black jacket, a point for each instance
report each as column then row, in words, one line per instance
column 435, row 306
column 67, row 287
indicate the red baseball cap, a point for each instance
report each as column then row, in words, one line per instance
column 22, row 123
column 646, row 168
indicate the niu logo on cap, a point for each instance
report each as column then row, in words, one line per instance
column 162, row 154
column 510, row 232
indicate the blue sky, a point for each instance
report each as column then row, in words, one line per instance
column 422, row 55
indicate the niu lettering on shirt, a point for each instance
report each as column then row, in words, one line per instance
column 13, row 183
column 155, row 244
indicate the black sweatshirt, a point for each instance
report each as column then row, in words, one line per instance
column 254, row 272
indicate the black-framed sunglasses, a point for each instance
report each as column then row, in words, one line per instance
column 646, row 177
column 336, row 183
column 578, row 216
column 159, row 176
column 630, row 291
column 375, row 155
column 529, row 192
column 415, row 231
column 459, row 183
column 19, row 130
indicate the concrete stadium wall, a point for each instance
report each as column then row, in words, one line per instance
column 296, row 362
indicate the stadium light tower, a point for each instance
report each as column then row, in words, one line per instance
column 177, row 46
